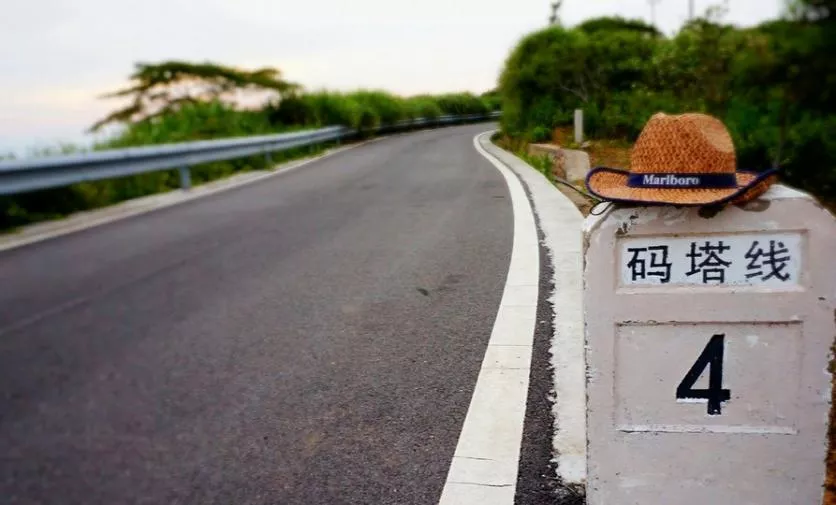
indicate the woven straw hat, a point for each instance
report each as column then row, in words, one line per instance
column 685, row 159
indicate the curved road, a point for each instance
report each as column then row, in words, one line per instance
column 312, row 338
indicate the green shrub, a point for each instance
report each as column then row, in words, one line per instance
column 318, row 109
column 539, row 134
column 771, row 85
column 542, row 163
column 387, row 107
column 492, row 101
column 198, row 121
column 423, row 106
column 809, row 156
column 617, row 23
column 462, row 103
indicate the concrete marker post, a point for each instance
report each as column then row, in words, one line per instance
column 578, row 126
column 708, row 341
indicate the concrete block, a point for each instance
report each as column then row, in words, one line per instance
column 708, row 343
column 576, row 164
column 569, row 164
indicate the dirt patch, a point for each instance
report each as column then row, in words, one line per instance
column 602, row 153
column 583, row 203
column 609, row 153
column 563, row 136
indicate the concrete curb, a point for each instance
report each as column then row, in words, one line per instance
column 562, row 225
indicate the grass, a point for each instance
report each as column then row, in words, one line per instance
column 541, row 163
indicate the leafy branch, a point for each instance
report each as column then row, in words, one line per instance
column 168, row 86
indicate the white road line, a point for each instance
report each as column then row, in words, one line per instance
column 484, row 466
column 561, row 224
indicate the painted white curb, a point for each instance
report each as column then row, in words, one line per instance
column 484, row 466
column 562, row 225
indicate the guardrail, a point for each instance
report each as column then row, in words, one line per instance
column 18, row 176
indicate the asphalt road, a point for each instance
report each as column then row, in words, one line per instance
column 310, row 339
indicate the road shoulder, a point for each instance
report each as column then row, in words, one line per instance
column 560, row 225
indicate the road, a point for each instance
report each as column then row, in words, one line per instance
column 310, row 339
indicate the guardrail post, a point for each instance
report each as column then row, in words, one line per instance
column 185, row 178
column 268, row 158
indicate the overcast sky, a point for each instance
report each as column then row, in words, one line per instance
column 56, row 56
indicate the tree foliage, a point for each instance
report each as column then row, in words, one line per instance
column 618, row 23
column 157, row 89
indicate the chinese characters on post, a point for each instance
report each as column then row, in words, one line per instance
column 774, row 260
column 746, row 259
column 657, row 265
column 706, row 260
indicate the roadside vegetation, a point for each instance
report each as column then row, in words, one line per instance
column 772, row 85
column 179, row 101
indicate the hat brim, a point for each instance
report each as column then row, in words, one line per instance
column 611, row 184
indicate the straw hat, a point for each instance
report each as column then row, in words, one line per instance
column 685, row 159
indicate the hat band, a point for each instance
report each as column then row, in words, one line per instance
column 682, row 181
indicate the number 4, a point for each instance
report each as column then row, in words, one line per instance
column 712, row 357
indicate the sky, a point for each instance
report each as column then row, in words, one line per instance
column 58, row 56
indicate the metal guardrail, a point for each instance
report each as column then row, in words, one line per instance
column 17, row 176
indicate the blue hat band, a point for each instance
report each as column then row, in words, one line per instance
column 682, row 181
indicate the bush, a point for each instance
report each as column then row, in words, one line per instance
column 462, row 103
column 387, row 108
column 492, row 100
column 540, row 134
column 809, row 158
column 316, row 110
column 617, row 23
column 541, row 163
column 198, row 121
column 771, row 85
column 423, row 106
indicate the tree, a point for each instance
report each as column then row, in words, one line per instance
column 164, row 87
column 618, row 23
column 812, row 10
column 554, row 19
